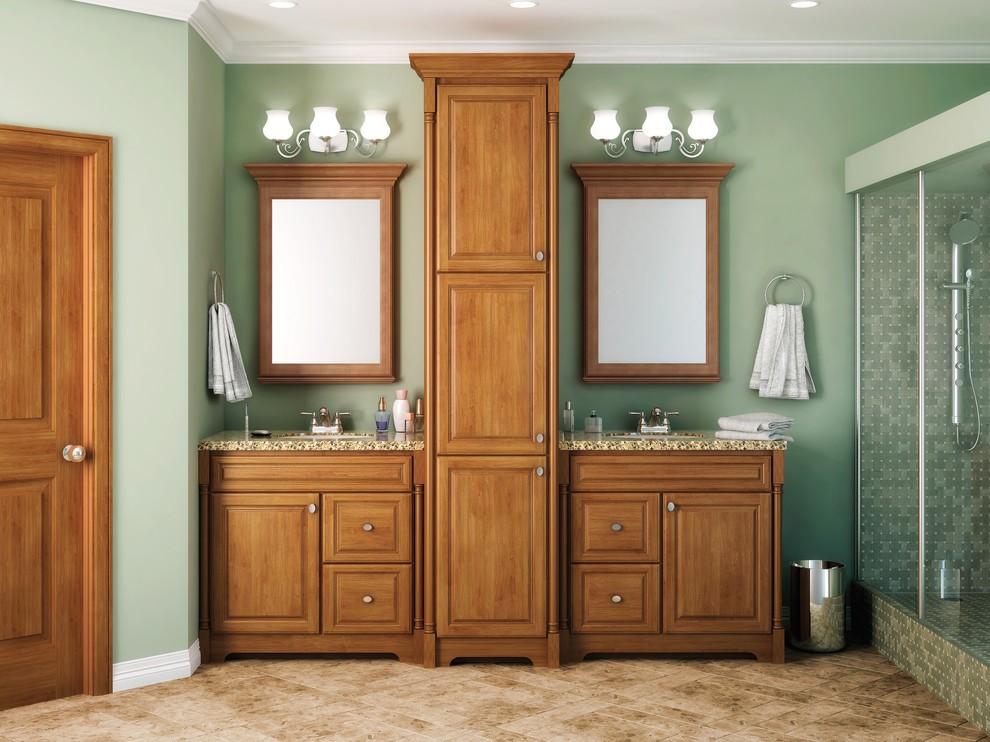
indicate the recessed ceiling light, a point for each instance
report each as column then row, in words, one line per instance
column 523, row 4
column 282, row 4
column 804, row 3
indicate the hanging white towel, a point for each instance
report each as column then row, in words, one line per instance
column 781, row 369
column 755, row 422
column 225, row 372
column 765, row 435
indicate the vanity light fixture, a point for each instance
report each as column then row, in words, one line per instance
column 325, row 134
column 657, row 134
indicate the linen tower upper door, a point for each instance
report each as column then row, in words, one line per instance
column 491, row 178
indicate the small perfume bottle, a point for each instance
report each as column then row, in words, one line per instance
column 593, row 423
column 568, row 423
column 382, row 416
column 420, row 420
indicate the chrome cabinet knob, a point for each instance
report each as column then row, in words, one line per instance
column 367, row 527
column 539, row 437
column 671, row 507
column 539, row 256
column 539, row 471
column 616, row 526
column 367, row 599
column 74, row 453
column 616, row 598
column 311, row 508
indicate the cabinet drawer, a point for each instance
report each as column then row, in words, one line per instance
column 367, row 527
column 615, row 527
column 621, row 598
column 288, row 472
column 670, row 472
column 367, row 599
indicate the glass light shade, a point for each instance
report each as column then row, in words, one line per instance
column 277, row 127
column 606, row 127
column 324, row 123
column 375, row 127
column 657, row 124
column 702, row 126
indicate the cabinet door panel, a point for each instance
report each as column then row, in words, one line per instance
column 616, row 598
column 491, row 177
column 367, row 527
column 491, row 546
column 492, row 364
column 717, row 562
column 367, row 599
column 265, row 557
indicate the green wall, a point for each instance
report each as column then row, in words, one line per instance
column 83, row 68
column 788, row 128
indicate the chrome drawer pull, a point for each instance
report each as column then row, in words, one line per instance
column 367, row 599
column 367, row 527
column 671, row 507
column 539, row 471
column 616, row 598
column 616, row 526
column 311, row 508
column 539, row 256
column 539, row 437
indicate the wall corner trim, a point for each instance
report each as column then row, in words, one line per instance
column 157, row 669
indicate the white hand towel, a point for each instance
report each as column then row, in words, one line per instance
column 225, row 368
column 755, row 422
column 781, row 369
column 764, row 435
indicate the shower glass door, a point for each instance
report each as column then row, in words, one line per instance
column 956, row 517
column 890, row 378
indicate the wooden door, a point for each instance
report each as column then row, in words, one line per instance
column 492, row 177
column 491, row 546
column 717, row 562
column 54, row 514
column 492, row 364
column 265, row 558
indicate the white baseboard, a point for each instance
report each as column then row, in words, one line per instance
column 157, row 669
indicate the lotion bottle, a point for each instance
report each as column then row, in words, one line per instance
column 400, row 408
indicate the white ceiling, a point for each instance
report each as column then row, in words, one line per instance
column 385, row 31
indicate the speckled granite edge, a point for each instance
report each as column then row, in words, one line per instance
column 231, row 440
column 705, row 442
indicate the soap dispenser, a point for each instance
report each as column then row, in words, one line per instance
column 400, row 408
column 381, row 416
column 593, row 423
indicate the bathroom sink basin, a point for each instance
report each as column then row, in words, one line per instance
column 327, row 436
column 622, row 436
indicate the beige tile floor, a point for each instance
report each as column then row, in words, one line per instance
column 852, row 695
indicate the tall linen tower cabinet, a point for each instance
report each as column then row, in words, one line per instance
column 491, row 535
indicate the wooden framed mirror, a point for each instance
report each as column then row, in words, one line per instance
column 651, row 283
column 326, row 271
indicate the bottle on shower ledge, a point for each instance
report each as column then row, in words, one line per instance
column 382, row 416
column 400, row 408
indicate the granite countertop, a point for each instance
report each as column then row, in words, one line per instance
column 680, row 440
column 238, row 440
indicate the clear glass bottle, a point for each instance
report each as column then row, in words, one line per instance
column 382, row 416
column 568, row 423
column 593, row 423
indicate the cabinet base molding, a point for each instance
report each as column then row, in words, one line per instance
column 536, row 649
column 406, row 648
column 765, row 647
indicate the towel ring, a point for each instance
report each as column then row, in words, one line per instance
column 783, row 277
column 216, row 279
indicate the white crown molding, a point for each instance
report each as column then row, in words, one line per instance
column 157, row 669
column 178, row 10
column 201, row 16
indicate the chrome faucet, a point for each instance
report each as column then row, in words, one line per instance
column 659, row 421
column 337, row 426
column 320, row 421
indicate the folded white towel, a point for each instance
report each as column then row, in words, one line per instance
column 781, row 369
column 225, row 368
column 763, row 435
column 755, row 422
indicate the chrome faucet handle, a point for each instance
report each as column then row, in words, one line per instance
column 312, row 419
column 666, row 417
column 639, row 423
column 337, row 426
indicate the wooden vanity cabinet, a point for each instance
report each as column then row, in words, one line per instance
column 491, row 172
column 311, row 552
column 673, row 551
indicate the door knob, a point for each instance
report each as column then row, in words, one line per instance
column 74, row 453
column 670, row 507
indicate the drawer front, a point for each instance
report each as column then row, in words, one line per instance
column 367, row 599
column 288, row 472
column 619, row 598
column 615, row 527
column 701, row 471
column 367, row 527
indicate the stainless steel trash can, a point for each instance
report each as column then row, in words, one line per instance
column 818, row 605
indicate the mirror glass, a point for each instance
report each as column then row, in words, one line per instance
column 651, row 271
column 325, row 272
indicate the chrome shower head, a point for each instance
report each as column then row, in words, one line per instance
column 964, row 231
